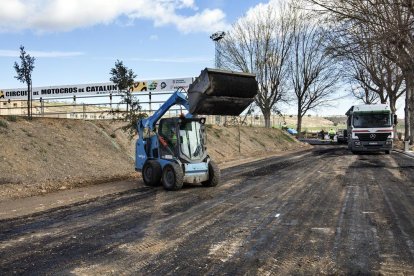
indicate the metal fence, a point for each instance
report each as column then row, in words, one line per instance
column 109, row 106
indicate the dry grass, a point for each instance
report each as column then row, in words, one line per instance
column 44, row 155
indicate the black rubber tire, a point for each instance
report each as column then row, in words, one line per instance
column 354, row 152
column 151, row 173
column 387, row 152
column 214, row 175
column 172, row 177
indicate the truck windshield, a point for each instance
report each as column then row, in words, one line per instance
column 190, row 139
column 368, row 120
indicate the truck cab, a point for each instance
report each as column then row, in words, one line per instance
column 370, row 128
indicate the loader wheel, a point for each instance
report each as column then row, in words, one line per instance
column 387, row 152
column 151, row 173
column 172, row 177
column 213, row 175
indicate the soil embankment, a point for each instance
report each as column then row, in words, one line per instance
column 45, row 155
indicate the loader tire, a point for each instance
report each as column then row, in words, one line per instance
column 213, row 175
column 172, row 177
column 151, row 173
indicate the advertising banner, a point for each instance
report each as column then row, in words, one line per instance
column 46, row 92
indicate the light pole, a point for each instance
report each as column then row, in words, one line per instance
column 216, row 37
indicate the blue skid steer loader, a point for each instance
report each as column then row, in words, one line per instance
column 173, row 150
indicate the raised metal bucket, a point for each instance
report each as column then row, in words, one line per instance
column 220, row 92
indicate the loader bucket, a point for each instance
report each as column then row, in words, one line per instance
column 220, row 92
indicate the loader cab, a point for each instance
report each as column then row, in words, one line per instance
column 182, row 138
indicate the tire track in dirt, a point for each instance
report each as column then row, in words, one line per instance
column 370, row 243
column 322, row 212
column 239, row 223
column 279, row 252
column 78, row 220
column 201, row 216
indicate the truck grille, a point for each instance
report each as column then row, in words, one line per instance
column 373, row 136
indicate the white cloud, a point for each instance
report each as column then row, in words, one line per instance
column 261, row 8
column 209, row 20
column 36, row 54
column 66, row 15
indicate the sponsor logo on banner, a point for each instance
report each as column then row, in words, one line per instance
column 179, row 81
column 152, row 86
column 139, row 86
column 1, row 94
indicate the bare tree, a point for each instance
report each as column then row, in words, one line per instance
column 377, row 76
column 24, row 74
column 390, row 24
column 314, row 76
column 260, row 44
column 364, row 94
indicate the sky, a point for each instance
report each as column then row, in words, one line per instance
column 78, row 41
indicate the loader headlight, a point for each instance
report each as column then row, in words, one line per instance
column 357, row 143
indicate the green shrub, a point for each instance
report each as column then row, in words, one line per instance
column 3, row 124
column 11, row 118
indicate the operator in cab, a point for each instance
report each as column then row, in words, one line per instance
column 173, row 138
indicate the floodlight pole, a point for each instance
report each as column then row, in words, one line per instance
column 216, row 37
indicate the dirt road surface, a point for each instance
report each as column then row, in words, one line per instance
column 323, row 211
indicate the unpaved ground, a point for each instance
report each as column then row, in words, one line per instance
column 319, row 212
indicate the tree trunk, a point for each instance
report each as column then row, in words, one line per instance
column 409, row 105
column 409, row 82
column 393, row 111
column 411, row 111
column 407, row 117
column 28, row 101
column 299, row 125
column 31, row 100
column 266, row 115
column 393, row 102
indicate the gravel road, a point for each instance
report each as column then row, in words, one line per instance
column 322, row 211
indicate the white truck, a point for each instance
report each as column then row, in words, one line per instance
column 370, row 128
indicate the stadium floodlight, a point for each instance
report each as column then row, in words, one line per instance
column 216, row 37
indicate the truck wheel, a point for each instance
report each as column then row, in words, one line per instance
column 213, row 175
column 151, row 173
column 172, row 177
column 387, row 152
